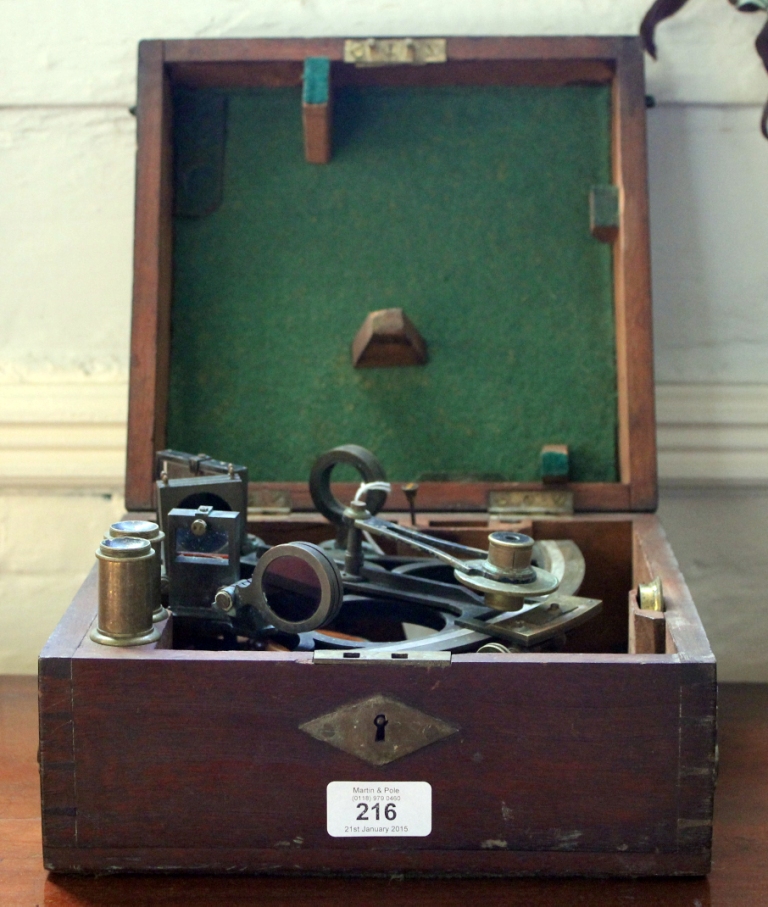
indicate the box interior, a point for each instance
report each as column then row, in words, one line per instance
column 467, row 206
column 607, row 548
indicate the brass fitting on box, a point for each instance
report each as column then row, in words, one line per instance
column 126, row 571
column 145, row 529
column 650, row 596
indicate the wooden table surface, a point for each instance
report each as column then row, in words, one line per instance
column 739, row 876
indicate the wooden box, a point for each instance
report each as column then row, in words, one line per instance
column 597, row 760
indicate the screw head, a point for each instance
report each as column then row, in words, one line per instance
column 199, row 527
column 224, row 600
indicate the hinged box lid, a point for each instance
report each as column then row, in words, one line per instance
column 494, row 189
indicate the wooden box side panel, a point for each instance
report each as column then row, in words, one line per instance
column 192, row 749
column 652, row 557
column 559, row 767
column 632, row 283
column 685, row 636
column 698, row 757
column 152, row 274
column 548, row 60
column 57, row 731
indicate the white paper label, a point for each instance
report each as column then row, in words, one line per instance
column 373, row 809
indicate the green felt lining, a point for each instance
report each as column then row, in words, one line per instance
column 468, row 208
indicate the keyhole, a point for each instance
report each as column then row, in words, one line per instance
column 381, row 722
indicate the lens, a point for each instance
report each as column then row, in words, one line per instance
column 135, row 528
column 511, row 538
column 291, row 588
column 296, row 587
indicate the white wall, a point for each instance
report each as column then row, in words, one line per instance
column 67, row 79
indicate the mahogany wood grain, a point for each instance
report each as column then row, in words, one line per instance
column 532, row 48
column 550, row 49
column 498, row 60
column 153, row 243
column 647, row 630
column 607, row 550
column 632, row 283
column 248, row 50
column 238, row 74
column 318, row 137
column 239, row 752
column 466, row 496
column 519, row 71
column 285, row 74
column 683, row 622
column 739, row 875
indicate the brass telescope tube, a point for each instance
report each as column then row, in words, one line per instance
column 126, row 567
column 145, row 529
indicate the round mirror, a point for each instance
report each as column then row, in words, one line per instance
column 291, row 588
column 296, row 587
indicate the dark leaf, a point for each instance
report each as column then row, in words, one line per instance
column 761, row 45
column 661, row 9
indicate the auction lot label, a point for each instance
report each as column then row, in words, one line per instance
column 374, row 809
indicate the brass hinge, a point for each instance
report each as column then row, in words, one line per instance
column 557, row 502
column 394, row 51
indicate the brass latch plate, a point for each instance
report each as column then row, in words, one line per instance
column 372, row 656
column 530, row 503
column 394, row 51
column 268, row 501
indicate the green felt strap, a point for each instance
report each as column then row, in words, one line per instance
column 317, row 77
column 555, row 463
